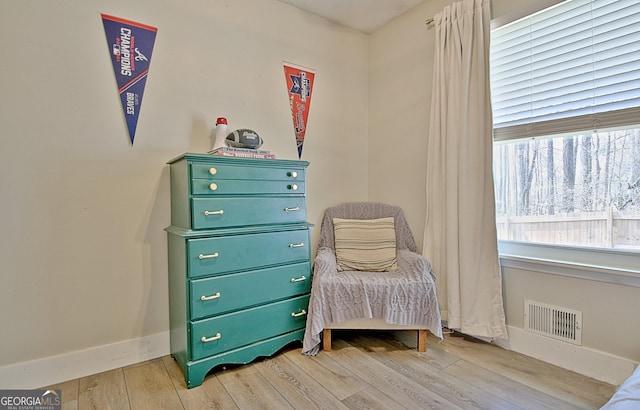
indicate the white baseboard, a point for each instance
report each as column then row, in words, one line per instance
column 56, row 369
column 588, row 362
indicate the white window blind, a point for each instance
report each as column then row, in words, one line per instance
column 570, row 68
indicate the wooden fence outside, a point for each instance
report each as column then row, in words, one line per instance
column 601, row 230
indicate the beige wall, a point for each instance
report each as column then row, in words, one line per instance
column 400, row 76
column 609, row 310
column 82, row 250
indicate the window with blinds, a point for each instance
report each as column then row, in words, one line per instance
column 565, row 86
column 570, row 68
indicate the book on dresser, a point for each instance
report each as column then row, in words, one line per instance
column 242, row 152
column 239, row 259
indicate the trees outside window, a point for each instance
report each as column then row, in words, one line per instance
column 579, row 190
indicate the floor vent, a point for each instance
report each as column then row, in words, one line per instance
column 553, row 321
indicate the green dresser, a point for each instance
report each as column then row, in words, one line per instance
column 239, row 260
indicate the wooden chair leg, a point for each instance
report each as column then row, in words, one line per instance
column 326, row 340
column 422, row 340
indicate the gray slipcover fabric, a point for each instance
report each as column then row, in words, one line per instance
column 406, row 296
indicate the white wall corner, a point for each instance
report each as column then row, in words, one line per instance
column 69, row 366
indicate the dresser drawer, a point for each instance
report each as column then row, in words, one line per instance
column 218, row 255
column 226, row 332
column 211, row 213
column 239, row 186
column 256, row 173
column 226, row 293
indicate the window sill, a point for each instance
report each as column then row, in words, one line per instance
column 602, row 265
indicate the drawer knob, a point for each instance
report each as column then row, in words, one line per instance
column 210, row 256
column 211, row 339
column 293, row 314
column 293, row 187
column 300, row 279
column 205, row 298
column 293, row 174
column 297, row 208
column 213, row 186
column 218, row 212
column 296, row 245
column 213, row 171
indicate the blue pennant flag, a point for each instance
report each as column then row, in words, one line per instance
column 130, row 47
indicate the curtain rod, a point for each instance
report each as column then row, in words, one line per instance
column 428, row 22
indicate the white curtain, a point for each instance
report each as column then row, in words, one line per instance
column 460, row 231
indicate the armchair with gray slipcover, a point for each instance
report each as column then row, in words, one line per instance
column 401, row 296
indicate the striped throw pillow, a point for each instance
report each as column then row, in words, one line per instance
column 365, row 244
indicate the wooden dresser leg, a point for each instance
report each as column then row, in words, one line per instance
column 422, row 340
column 326, row 340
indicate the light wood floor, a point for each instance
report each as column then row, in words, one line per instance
column 364, row 371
